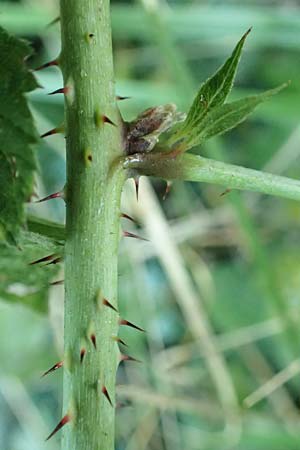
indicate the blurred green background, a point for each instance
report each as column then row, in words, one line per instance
column 217, row 287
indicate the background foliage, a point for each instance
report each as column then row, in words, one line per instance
column 220, row 272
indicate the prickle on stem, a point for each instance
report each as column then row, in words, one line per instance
column 82, row 354
column 126, row 216
column 106, row 119
column 53, row 368
column 63, row 90
column 100, row 119
column 54, row 62
column 89, row 37
column 56, row 130
column 63, row 422
column 59, row 194
column 93, row 340
column 130, row 324
column 54, row 261
column 109, row 305
column 88, row 157
column 119, row 340
column 135, row 236
column 56, row 283
column 51, row 257
column 105, row 392
column 128, row 358
column 119, row 97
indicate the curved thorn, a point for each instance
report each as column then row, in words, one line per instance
column 93, row 340
column 54, row 62
column 82, row 354
column 119, row 97
column 56, row 130
column 63, row 422
column 135, row 236
column 55, row 261
column 107, row 303
column 128, row 358
column 104, row 391
column 49, row 133
column 53, row 368
column 44, row 259
column 126, row 216
column 56, row 283
column 106, row 119
column 119, row 340
column 63, row 90
column 50, row 197
column 130, row 324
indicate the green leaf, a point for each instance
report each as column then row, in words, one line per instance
column 213, row 92
column 17, row 134
column 21, row 282
column 226, row 117
column 46, row 228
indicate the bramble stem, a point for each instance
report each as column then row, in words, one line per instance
column 93, row 194
column 195, row 168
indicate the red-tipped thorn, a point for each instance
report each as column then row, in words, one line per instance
column 135, row 236
column 54, row 62
column 93, row 340
column 130, row 324
column 56, row 130
column 137, row 186
column 63, row 90
column 106, row 303
column 44, row 259
column 106, row 119
column 119, row 97
column 55, row 261
column 119, row 340
column 128, row 358
column 50, row 197
column 126, row 216
column 167, row 191
column 82, row 354
column 53, row 368
column 63, row 422
column 104, row 391
column 56, row 283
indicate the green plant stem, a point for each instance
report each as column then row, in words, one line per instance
column 94, row 185
column 191, row 167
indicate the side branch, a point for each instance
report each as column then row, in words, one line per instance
column 190, row 167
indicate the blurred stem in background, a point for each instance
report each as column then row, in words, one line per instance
column 190, row 304
column 266, row 278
